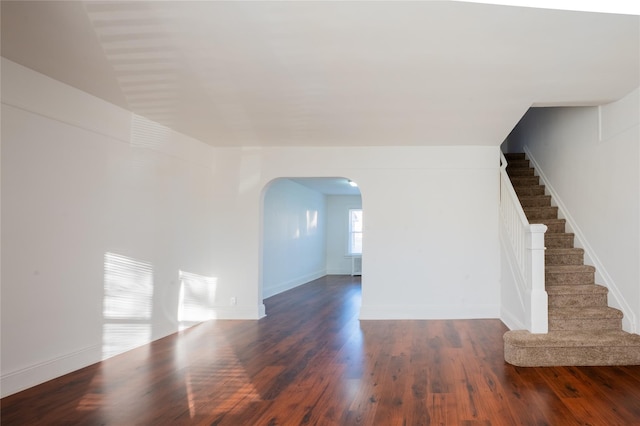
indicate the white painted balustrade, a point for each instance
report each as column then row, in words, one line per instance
column 527, row 243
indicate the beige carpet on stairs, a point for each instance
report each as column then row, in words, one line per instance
column 583, row 329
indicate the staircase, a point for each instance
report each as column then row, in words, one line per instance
column 583, row 329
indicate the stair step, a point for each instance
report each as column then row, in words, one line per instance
column 585, row 318
column 520, row 171
column 569, row 274
column 535, row 200
column 540, row 213
column 566, row 348
column 528, row 190
column 525, row 180
column 583, row 329
column 514, row 156
column 559, row 240
column 577, row 296
column 564, row 256
column 554, row 226
column 517, row 164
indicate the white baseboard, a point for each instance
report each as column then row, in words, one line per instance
column 428, row 312
column 240, row 312
column 273, row 289
column 511, row 320
column 616, row 298
column 25, row 378
column 339, row 271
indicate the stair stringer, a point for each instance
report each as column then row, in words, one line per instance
column 616, row 299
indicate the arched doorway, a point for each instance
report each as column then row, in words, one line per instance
column 305, row 231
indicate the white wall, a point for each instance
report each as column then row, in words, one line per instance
column 431, row 238
column 294, row 238
column 591, row 159
column 99, row 206
column 338, row 262
column 431, row 247
column 85, row 183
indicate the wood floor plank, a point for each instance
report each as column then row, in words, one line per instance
column 312, row 362
column 443, row 409
column 617, row 388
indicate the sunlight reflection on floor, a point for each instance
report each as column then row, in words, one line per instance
column 215, row 375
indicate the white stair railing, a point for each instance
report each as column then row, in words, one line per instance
column 527, row 243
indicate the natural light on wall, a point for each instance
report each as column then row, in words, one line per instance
column 312, row 222
column 127, row 304
column 147, row 69
column 197, row 298
column 149, row 134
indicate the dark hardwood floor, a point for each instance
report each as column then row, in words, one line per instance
column 311, row 362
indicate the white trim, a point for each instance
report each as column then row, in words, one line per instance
column 278, row 288
column 429, row 312
column 350, row 232
column 616, row 298
column 510, row 320
column 339, row 271
column 25, row 378
column 239, row 312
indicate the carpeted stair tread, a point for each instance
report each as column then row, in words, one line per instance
column 573, row 338
column 564, row 256
column 568, row 269
column 576, row 289
column 576, row 296
column 517, row 164
column 520, row 171
column 559, row 240
column 583, row 329
column 569, row 274
column 591, row 312
column 561, row 235
column 562, row 251
column 568, row 348
column 554, row 226
column 550, row 221
column 525, row 180
column 540, row 213
column 514, row 156
column 529, row 190
column 535, row 201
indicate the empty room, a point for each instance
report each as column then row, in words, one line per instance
column 322, row 213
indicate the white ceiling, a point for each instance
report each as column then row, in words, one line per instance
column 324, row 73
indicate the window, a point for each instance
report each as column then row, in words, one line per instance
column 355, row 231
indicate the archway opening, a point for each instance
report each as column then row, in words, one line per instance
column 310, row 228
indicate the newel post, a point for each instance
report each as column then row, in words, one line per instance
column 539, row 305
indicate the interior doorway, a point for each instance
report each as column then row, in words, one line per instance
column 308, row 231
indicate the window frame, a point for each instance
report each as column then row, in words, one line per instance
column 351, row 232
